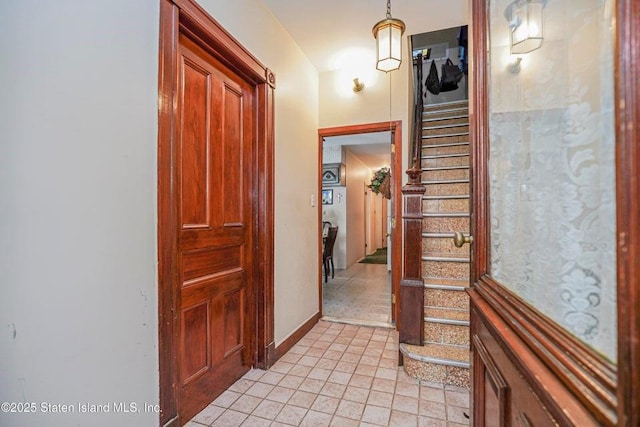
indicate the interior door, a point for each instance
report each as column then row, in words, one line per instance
column 213, row 168
column 551, row 212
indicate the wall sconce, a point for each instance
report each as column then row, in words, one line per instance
column 525, row 21
column 388, row 35
column 514, row 67
column 357, row 85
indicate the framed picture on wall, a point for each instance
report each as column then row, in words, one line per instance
column 333, row 174
column 327, row 197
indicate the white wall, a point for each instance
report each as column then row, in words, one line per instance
column 78, row 125
column 296, row 154
column 78, row 147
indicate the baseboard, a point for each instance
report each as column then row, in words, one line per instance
column 296, row 336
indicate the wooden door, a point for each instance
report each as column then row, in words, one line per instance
column 213, row 170
column 541, row 355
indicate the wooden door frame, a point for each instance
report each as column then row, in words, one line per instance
column 608, row 392
column 187, row 17
column 396, row 234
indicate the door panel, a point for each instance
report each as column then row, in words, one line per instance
column 544, row 287
column 215, row 147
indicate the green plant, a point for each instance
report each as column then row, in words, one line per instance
column 380, row 177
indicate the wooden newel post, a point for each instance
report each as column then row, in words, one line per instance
column 411, row 317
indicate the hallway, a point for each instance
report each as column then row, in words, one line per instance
column 360, row 294
column 337, row 375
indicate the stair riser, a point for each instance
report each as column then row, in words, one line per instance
column 434, row 151
column 443, row 333
column 461, row 108
column 447, row 313
column 445, row 269
column 445, row 174
column 445, row 225
column 456, row 189
column 445, row 205
column 444, row 162
column 443, row 298
column 445, row 139
column 445, row 122
column 444, row 245
column 428, row 129
column 426, row 371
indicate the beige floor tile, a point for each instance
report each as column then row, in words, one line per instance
column 351, row 410
column 360, row 381
column 291, row 381
column 292, row 415
column 457, row 398
column 382, row 384
column 300, row 370
column 311, row 385
column 344, row 366
column 407, row 389
column 376, row 415
column 338, row 421
column 432, row 394
column 325, row 404
column 319, row 374
column 209, row 414
column 340, row 377
column 280, row 394
column 271, row 377
column 253, row 421
column 380, row 398
column 433, row 410
column 316, row 419
column 302, row 399
column 431, row 422
column 226, row 399
column 405, row 404
column 333, row 390
column 246, row 404
column 268, row 409
column 230, row 419
column 356, row 394
column 403, row 419
column 456, row 414
column 259, row 390
column 366, row 370
column 241, row 385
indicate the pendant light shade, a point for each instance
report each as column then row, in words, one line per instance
column 388, row 35
column 525, row 22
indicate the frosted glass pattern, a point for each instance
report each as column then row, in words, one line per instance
column 552, row 168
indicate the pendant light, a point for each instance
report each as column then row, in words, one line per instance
column 388, row 35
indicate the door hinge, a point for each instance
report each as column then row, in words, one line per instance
column 393, row 223
column 393, row 298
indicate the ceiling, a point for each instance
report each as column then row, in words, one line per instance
column 373, row 149
column 327, row 30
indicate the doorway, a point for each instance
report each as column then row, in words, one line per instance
column 215, row 145
column 367, row 232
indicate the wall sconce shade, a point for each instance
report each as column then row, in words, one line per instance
column 388, row 35
column 525, row 22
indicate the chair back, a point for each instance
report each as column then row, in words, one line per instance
column 331, row 240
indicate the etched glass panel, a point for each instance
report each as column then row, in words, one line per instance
column 552, row 168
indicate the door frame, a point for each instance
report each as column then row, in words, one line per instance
column 187, row 17
column 604, row 390
column 395, row 127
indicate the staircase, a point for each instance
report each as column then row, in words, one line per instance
column 444, row 357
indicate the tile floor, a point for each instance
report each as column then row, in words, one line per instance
column 337, row 375
column 361, row 293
